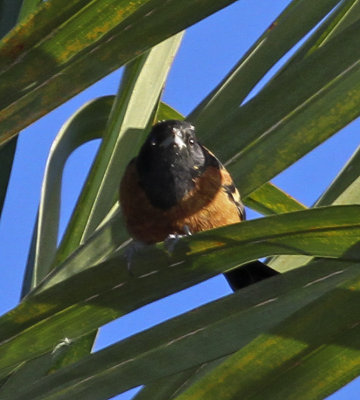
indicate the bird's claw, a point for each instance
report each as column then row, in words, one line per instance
column 171, row 241
column 134, row 247
column 187, row 231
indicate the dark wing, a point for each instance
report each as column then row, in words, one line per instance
column 228, row 186
column 234, row 196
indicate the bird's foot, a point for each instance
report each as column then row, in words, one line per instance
column 171, row 241
column 134, row 247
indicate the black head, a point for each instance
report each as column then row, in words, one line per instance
column 169, row 161
column 175, row 142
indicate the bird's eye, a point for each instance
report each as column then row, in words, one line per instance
column 191, row 141
column 153, row 142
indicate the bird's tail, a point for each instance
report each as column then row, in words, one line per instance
column 248, row 274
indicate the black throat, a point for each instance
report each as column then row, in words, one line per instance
column 170, row 161
column 165, row 183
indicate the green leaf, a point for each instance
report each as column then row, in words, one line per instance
column 165, row 388
column 345, row 189
column 26, row 374
column 94, row 297
column 92, row 254
column 132, row 113
column 326, row 99
column 190, row 339
column 7, row 153
column 97, row 248
column 325, row 369
column 291, row 25
column 78, row 43
column 105, row 240
column 346, row 13
column 28, row 7
column 276, row 356
column 46, row 364
column 62, row 48
column 167, row 112
column 86, row 124
column 269, row 199
column 69, row 354
column 11, row 11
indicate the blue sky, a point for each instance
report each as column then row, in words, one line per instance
column 208, row 51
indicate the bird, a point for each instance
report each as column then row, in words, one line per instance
column 176, row 186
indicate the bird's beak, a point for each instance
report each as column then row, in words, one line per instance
column 174, row 139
